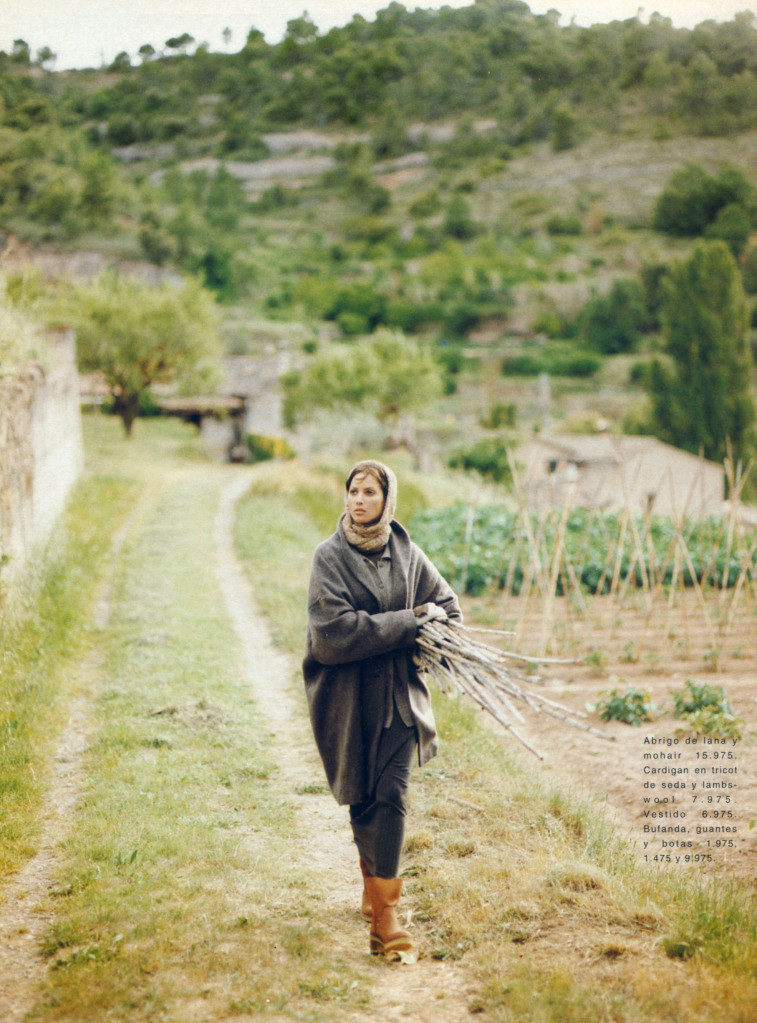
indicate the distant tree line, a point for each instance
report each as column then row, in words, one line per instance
column 537, row 78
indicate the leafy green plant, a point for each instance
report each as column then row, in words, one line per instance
column 630, row 651
column 698, row 696
column 716, row 723
column 632, row 706
column 706, row 710
column 596, row 659
column 712, row 659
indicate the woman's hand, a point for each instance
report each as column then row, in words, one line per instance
column 428, row 612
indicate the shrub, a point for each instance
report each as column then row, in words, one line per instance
column 693, row 198
column 461, row 317
column 631, row 707
column 372, row 197
column 452, row 360
column 408, row 316
column 564, row 224
column 698, row 696
column 277, row 197
column 732, row 225
column 358, row 308
column 425, row 205
column 122, row 130
column 613, row 323
column 263, row 448
column 706, row 710
column 582, row 364
column 558, row 359
column 749, row 268
column 652, row 277
column 488, row 457
column 524, row 365
column 500, row 414
column 639, row 373
column 716, row 723
column 565, row 129
column 156, row 243
column 459, row 222
column 369, row 229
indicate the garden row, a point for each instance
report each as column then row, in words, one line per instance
column 492, row 547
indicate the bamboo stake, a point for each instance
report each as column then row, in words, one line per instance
column 462, row 582
column 490, row 677
column 557, row 552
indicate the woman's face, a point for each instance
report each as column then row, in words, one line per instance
column 365, row 499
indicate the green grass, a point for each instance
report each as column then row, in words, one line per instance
column 46, row 630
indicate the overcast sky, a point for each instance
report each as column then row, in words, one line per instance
column 88, row 33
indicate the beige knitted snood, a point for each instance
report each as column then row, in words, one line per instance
column 376, row 535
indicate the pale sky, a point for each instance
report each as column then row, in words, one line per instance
column 88, row 33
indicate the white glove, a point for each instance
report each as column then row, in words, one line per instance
column 429, row 612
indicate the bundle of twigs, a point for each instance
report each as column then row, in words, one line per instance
column 491, row 677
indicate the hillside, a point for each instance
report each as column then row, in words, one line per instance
column 473, row 178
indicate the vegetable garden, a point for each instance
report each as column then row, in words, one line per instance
column 704, row 570
column 487, row 547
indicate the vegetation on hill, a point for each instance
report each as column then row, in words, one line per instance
column 446, row 175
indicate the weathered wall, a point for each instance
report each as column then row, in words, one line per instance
column 41, row 452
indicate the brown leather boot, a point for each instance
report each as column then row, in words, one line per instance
column 387, row 937
column 365, row 905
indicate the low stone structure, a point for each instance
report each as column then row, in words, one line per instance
column 41, row 449
column 606, row 472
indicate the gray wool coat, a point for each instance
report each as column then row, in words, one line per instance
column 359, row 645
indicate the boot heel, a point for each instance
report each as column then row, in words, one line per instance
column 387, row 938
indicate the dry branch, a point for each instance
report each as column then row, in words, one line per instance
column 489, row 676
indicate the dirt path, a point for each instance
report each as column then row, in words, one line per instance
column 26, row 909
column 425, row 991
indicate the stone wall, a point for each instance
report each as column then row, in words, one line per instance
column 41, row 451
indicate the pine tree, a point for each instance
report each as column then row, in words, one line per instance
column 702, row 397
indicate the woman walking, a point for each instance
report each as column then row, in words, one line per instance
column 371, row 588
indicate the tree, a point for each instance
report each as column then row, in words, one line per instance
column 692, row 199
column 613, row 323
column 137, row 335
column 46, row 56
column 459, row 222
column 385, row 375
column 702, row 398
column 180, row 43
column 121, row 62
column 733, row 225
column 99, row 198
column 21, row 53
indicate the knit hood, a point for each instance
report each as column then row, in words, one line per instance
column 375, row 536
